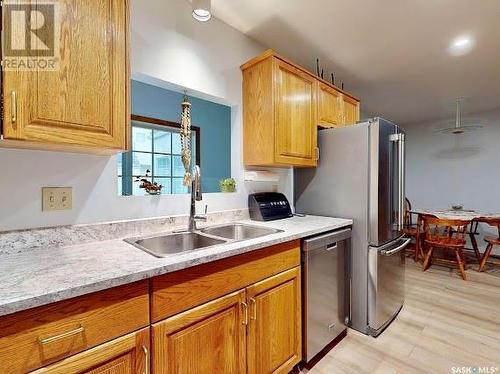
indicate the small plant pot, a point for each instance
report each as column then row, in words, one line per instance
column 227, row 188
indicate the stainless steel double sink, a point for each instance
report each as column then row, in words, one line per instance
column 169, row 244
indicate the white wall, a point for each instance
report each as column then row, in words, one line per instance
column 455, row 169
column 448, row 169
column 168, row 45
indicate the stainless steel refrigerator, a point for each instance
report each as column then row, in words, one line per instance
column 361, row 175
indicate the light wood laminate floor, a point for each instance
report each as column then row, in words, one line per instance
column 446, row 322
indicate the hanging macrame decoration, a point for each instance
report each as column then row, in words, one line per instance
column 186, row 140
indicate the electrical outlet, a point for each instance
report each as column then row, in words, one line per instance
column 57, row 198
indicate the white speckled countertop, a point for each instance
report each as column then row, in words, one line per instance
column 48, row 275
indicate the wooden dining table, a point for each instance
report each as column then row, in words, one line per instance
column 461, row 214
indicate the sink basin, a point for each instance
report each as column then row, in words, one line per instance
column 162, row 246
column 239, row 231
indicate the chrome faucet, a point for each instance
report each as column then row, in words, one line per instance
column 196, row 195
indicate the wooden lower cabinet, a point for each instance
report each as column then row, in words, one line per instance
column 254, row 330
column 275, row 330
column 210, row 338
column 126, row 355
column 241, row 314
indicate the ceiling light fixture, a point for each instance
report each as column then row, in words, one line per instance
column 460, row 128
column 461, row 45
column 201, row 10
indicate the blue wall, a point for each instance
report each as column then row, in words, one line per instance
column 214, row 121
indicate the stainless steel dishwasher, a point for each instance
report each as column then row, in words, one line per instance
column 324, row 288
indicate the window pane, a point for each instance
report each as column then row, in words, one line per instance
column 178, row 167
column 176, row 143
column 163, row 165
column 165, row 182
column 119, row 164
column 136, row 191
column 142, row 139
column 141, row 162
column 178, row 187
column 162, row 141
column 120, row 181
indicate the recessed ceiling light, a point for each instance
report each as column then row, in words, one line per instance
column 461, row 45
column 201, row 10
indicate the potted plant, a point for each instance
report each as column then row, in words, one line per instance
column 227, row 185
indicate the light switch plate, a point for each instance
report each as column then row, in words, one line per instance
column 57, row 198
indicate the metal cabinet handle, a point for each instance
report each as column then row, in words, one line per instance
column 329, row 247
column 254, row 309
column 245, row 313
column 146, row 359
column 78, row 330
column 13, row 106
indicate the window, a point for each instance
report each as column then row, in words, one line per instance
column 156, row 147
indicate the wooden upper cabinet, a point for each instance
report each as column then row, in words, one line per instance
column 274, row 330
column 210, row 338
column 336, row 109
column 283, row 105
column 126, row 355
column 329, row 106
column 350, row 110
column 83, row 105
column 279, row 114
column 295, row 116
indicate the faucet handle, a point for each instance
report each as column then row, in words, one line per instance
column 206, row 209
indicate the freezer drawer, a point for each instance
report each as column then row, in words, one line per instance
column 326, row 300
column 386, row 284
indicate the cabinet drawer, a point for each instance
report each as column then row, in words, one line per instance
column 37, row 337
column 125, row 355
column 179, row 291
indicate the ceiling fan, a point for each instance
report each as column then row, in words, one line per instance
column 459, row 127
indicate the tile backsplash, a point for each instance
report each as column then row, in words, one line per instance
column 60, row 236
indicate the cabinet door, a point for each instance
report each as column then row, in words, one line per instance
column 274, row 330
column 329, row 106
column 85, row 101
column 296, row 122
column 126, row 355
column 350, row 110
column 207, row 339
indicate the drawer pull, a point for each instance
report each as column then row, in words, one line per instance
column 78, row 330
column 254, row 309
column 13, row 106
column 245, row 313
column 146, row 362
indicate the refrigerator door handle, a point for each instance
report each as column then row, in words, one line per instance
column 401, row 181
column 397, row 249
column 400, row 140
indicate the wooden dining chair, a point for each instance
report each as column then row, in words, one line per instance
column 411, row 229
column 491, row 240
column 473, row 232
column 446, row 235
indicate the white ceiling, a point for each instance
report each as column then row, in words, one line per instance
column 391, row 53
